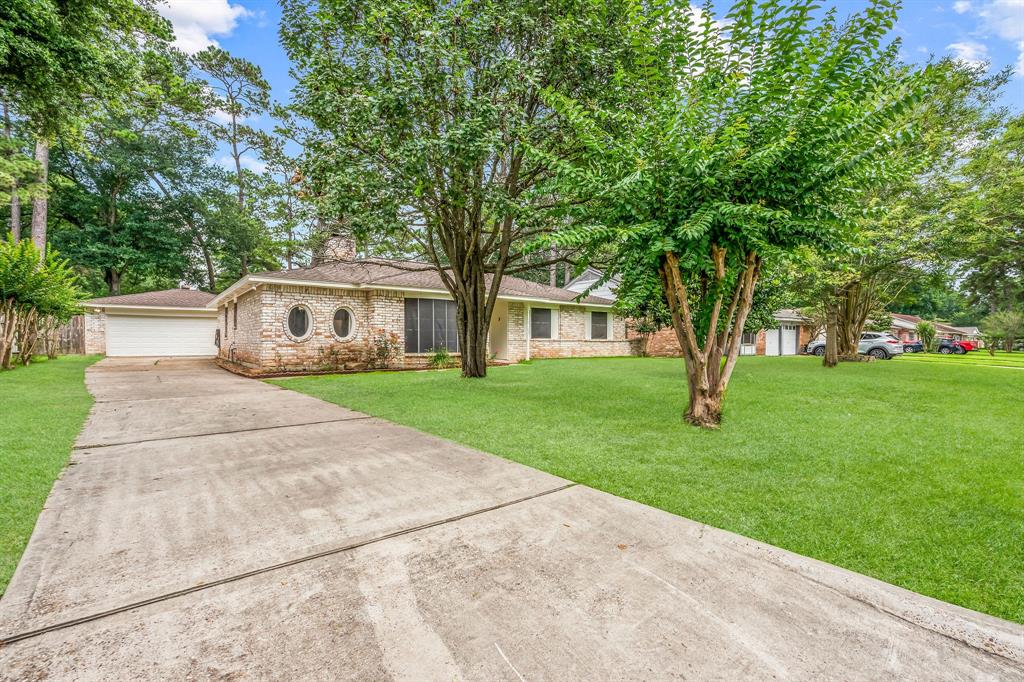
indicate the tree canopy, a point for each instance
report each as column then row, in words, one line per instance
column 742, row 140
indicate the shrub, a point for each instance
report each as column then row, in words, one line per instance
column 35, row 293
column 440, row 358
column 385, row 347
column 926, row 331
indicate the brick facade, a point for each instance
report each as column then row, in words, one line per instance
column 255, row 339
column 96, row 333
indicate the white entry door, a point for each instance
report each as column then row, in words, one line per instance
column 789, row 339
column 771, row 341
column 141, row 335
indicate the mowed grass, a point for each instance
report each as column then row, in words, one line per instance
column 972, row 359
column 42, row 408
column 906, row 471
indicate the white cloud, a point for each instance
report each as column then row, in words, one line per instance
column 1019, row 66
column 224, row 118
column 969, row 52
column 248, row 162
column 195, row 21
column 1005, row 18
column 961, row 6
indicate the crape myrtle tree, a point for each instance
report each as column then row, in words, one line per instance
column 431, row 125
column 752, row 138
column 899, row 234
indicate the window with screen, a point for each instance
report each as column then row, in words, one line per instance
column 430, row 325
column 540, row 323
column 599, row 325
column 749, row 338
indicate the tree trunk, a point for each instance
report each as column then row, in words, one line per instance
column 709, row 365
column 15, row 213
column 39, row 205
column 831, row 357
column 472, row 320
column 113, row 280
column 15, row 199
column 553, row 268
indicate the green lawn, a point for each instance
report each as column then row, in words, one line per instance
column 972, row 359
column 42, row 408
column 911, row 472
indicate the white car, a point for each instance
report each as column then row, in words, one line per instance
column 878, row 345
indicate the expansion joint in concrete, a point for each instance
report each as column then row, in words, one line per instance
column 29, row 634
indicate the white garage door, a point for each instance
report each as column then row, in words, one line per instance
column 771, row 341
column 145, row 335
column 789, row 339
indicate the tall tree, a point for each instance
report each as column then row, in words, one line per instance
column 431, row 126
column 898, row 234
column 57, row 59
column 985, row 234
column 745, row 140
column 237, row 93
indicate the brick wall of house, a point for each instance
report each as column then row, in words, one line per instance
column 96, row 333
column 320, row 349
column 260, row 344
column 516, row 331
column 572, row 341
column 664, row 344
column 241, row 330
column 761, row 345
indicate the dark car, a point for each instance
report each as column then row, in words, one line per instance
column 951, row 347
column 913, row 346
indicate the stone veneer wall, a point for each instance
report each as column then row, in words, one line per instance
column 260, row 343
column 96, row 333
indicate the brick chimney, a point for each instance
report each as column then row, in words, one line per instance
column 337, row 246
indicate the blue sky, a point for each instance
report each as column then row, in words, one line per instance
column 973, row 30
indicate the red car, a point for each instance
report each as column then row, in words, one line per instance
column 968, row 345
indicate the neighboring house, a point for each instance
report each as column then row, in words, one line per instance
column 588, row 278
column 171, row 322
column 788, row 337
column 327, row 317
column 904, row 327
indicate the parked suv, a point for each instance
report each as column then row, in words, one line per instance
column 878, row 345
column 913, row 346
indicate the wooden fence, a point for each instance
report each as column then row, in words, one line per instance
column 71, row 337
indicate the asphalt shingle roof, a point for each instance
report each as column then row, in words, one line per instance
column 168, row 298
column 416, row 276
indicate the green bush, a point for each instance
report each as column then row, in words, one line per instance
column 37, row 294
column 441, row 358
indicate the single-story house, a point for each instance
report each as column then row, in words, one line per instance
column 904, row 327
column 789, row 336
column 170, row 322
column 329, row 317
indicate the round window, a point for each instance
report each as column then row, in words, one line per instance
column 343, row 323
column 299, row 322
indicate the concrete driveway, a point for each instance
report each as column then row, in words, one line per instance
column 215, row 526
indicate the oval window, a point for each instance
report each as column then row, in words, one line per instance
column 342, row 323
column 298, row 322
